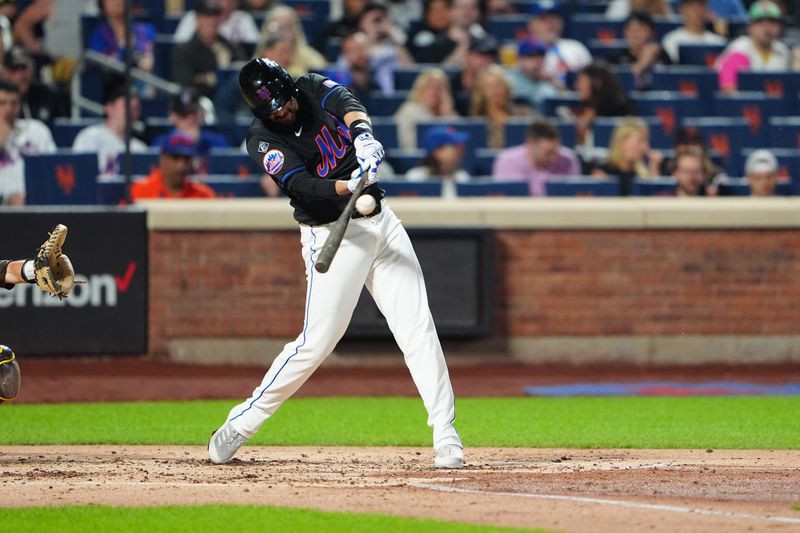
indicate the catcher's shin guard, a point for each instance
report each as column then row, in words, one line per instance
column 9, row 374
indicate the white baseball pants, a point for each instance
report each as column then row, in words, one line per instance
column 375, row 252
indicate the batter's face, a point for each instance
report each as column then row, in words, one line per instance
column 286, row 115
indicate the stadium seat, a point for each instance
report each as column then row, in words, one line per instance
column 775, row 84
column 488, row 187
column 697, row 81
column 740, row 187
column 664, row 186
column 63, row 178
column 483, row 161
column 602, row 49
column 403, row 160
column 585, row 27
column 411, row 188
column 669, row 106
column 405, row 76
column 583, row 186
column 550, row 106
column 699, row 54
column 755, row 107
column 162, row 55
column 385, row 130
column 726, row 136
column 382, row 105
column 661, row 131
column 231, row 161
column 142, row 163
column 66, row 129
column 508, row 27
column 476, row 127
column 784, row 132
column 516, row 128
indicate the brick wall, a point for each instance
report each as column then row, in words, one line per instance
column 549, row 283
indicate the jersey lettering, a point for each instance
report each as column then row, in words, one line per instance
column 330, row 151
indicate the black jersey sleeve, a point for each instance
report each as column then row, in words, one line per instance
column 286, row 167
column 336, row 99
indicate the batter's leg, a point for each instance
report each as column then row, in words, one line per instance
column 398, row 288
column 330, row 301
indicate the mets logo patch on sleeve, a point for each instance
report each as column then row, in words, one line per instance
column 273, row 161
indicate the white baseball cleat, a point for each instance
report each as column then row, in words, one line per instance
column 224, row 444
column 449, row 456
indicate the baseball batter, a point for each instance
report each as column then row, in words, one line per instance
column 314, row 138
column 52, row 271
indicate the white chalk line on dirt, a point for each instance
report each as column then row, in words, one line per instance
column 619, row 503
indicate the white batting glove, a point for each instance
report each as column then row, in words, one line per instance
column 367, row 148
column 371, row 168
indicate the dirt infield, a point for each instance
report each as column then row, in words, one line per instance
column 565, row 490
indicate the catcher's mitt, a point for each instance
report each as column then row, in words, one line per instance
column 9, row 374
column 54, row 272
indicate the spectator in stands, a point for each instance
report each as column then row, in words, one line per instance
column 467, row 15
column 404, row 13
column 563, row 55
column 689, row 174
column 171, row 178
column 439, row 40
column 108, row 38
column 107, row 138
column 540, row 158
column 761, row 169
column 601, row 95
column 283, row 20
column 385, row 45
column 195, row 63
column 444, row 158
column 280, row 48
column 759, row 50
column 236, row 25
column 643, row 52
column 19, row 137
column 695, row 15
column 629, row 155
column 354, row 68
column 689, row 139
column 620, row 9
column 29, row 24
column 187, row 115
column 347, row 23
column 8, row 9
column 493, row 99
column 482, row 53
column 429, row 98
column 529, row 82
column 37, row 99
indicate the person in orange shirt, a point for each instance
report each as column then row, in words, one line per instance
column 171, row 178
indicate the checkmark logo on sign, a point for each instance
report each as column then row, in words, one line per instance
column 125, row 281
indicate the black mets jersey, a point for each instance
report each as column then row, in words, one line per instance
column 306, row 159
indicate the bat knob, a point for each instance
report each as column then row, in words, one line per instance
column 321, row 267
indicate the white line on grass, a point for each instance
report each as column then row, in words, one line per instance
column 619, row 503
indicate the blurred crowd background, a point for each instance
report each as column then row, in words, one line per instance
column 469, row 97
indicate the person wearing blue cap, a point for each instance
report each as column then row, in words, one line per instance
column 171, row 178
column 529, row 82
column 444, row 156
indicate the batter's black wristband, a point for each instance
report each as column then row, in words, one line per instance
column 359, row 126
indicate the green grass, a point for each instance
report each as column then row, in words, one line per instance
column 797, row 507
column 228, row 518
column 733, row 422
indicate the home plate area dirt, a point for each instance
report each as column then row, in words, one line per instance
column 556, row 489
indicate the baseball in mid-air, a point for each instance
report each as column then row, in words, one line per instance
column 365, row 204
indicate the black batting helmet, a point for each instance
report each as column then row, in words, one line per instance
column 265, row 86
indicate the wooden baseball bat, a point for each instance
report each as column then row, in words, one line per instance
column 336, row 235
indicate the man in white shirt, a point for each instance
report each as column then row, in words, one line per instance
column 563, row 55
column 107, row 138
column 18, row 138
column 759, row 50
column 695, row 14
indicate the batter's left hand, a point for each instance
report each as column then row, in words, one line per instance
column 371, row 168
